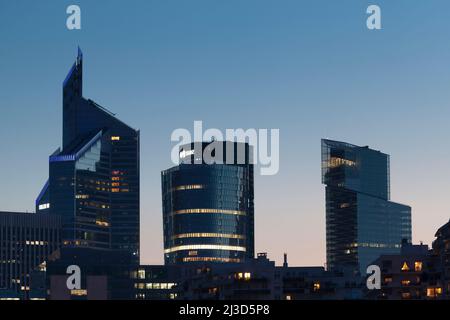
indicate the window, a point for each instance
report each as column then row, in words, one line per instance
column 406, row 282
column 115, row 138
column 405, row 266
column 418, row 266
column 141, row 274
column 316, row 286
column 406, row 295
column 434, row 292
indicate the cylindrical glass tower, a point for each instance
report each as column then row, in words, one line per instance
column 208, row 209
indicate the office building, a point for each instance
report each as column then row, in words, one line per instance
column 208, row 211
column 361, row 221
column 26, row 242
column 93, row 180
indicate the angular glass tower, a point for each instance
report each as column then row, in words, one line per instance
column 361, row 222
column 94, row 178
column 208, row 211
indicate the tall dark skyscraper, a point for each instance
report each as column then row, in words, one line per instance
column 208, row 211
column 94, row 178
column 361, row 222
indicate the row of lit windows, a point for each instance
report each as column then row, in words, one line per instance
column 44, row 206
column 204, row 247
column 417, row 266
column 155, row 286
column 208, row 235
column 243, row 275
column 337, row 162
column 224, row 211
column 36, row 243
column 189, row 187
column 142, row 296
column 211, row 259
column 374, row 245
column 102, row 223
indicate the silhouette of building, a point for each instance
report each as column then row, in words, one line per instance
column 361, row 221
column 208, row 211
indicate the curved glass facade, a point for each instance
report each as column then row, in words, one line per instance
column 208, row 213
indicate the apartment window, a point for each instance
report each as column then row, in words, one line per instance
column 141, row 274
column 418, row 266
column 405, row 266
column 406, row 282
column 406, row 295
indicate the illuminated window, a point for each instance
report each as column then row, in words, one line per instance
column 189, row 187
column 337, row 162
column 405, row 266
column 44, row 206
column 101, row 223
column 316, row 286
column 434, row 292
column 115, row 190
column 115, row 138
column 406, row 295
column 388, row 280
column 406, row 282
column 211, row 259
column 247, row 275
column 78, row 292
column 222, row 211
column 141, row 274
column 212, row 290
column 205, row 247
column 288, row 297
column 418, row 266
column 208, row 235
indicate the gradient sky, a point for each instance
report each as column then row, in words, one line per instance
column 310, row 68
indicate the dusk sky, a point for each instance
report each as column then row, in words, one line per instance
column 309, row 68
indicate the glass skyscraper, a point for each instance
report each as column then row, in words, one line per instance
column 361, row 221
column 94, row 178
column 208, row 211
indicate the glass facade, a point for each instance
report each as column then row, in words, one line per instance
column 208, row 211
column 361, row 222
column 94, row 178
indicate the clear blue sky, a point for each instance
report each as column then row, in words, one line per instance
column 310, row 68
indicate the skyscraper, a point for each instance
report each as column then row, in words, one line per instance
column 94, row 178
column 208, row 211
column 361, row 222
